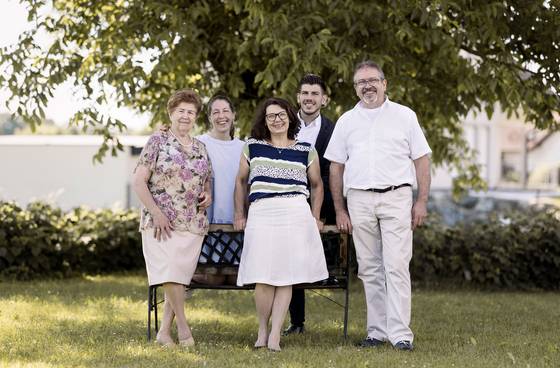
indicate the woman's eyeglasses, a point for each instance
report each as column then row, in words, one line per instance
column 283, row 115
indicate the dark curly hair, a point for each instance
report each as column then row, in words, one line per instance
column 312, row 79
column 260, row 129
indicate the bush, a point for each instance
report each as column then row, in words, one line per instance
column 512, row 250
column 105, row 240
column 43, row 241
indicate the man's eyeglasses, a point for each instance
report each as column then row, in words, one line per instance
column 364, row 82
column 283, row 115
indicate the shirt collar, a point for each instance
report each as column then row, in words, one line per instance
column 315, row 121
column 384, row 104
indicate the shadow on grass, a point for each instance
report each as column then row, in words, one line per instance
column 87, row 343
column 104, row 341
column 75, row 290
column 453, row 328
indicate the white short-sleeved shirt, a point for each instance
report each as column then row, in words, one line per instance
column 377, row 146
column 224, row 156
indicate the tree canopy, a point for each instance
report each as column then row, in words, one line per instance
column 442, row 58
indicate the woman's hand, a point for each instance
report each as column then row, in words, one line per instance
column 162, row 226
column 204, row 200
column 320, row 224
column 240, row 195
column 239, row 223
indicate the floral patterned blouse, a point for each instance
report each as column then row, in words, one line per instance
column 178, row 177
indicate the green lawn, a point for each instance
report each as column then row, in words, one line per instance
column 101, row 321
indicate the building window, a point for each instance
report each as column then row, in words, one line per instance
column 135, row 151
column 511, row 167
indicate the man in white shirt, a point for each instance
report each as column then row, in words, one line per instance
column 316, row 129
column 377, row 150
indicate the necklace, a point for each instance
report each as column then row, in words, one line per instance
column 178, row 140
column 280, row 149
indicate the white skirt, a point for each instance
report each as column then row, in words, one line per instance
column 282, row 244
column 172, row 260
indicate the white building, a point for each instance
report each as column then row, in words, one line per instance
column 544, row 162
column 59, row 169
column 506, row 151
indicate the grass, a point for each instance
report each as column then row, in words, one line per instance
column 100, row 322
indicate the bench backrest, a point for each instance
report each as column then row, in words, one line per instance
column 223, row 246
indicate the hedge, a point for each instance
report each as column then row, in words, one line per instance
column 511, row 250
column 43, row 241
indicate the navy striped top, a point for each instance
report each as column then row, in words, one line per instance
column 276, row 172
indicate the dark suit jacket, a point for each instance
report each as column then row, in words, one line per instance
column 323, row 138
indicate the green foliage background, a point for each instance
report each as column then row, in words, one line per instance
column 514, row 250
column 442, row 58
column 44, row 241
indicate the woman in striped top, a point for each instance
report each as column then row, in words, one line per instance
column 282, row 244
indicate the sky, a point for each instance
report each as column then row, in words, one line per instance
column 13, row 21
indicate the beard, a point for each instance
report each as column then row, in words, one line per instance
column 367, row 98
column 312, row 111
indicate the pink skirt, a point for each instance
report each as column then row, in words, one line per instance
column 172, row 260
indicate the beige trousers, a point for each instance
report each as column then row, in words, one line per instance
column 382, row 237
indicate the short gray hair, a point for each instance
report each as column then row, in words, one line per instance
column 369, row 64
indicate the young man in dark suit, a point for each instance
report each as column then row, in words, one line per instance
column 315, row 129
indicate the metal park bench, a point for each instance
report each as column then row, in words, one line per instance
column 221, row 253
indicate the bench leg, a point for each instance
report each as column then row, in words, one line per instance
column 155, row 302
column 150, row 298
column 349, row 247
column 152, row 305
column 346, row 305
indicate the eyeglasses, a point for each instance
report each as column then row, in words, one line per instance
column 283, row 115
column 364, row 82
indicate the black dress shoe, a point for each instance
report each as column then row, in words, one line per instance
column 294, row 329
column 404, row 345
column 370, row 342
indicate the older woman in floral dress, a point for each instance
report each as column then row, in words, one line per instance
column 172, row 180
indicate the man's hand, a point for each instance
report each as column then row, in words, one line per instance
column 423, row 178
column 343, row 222
column 419, row 214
